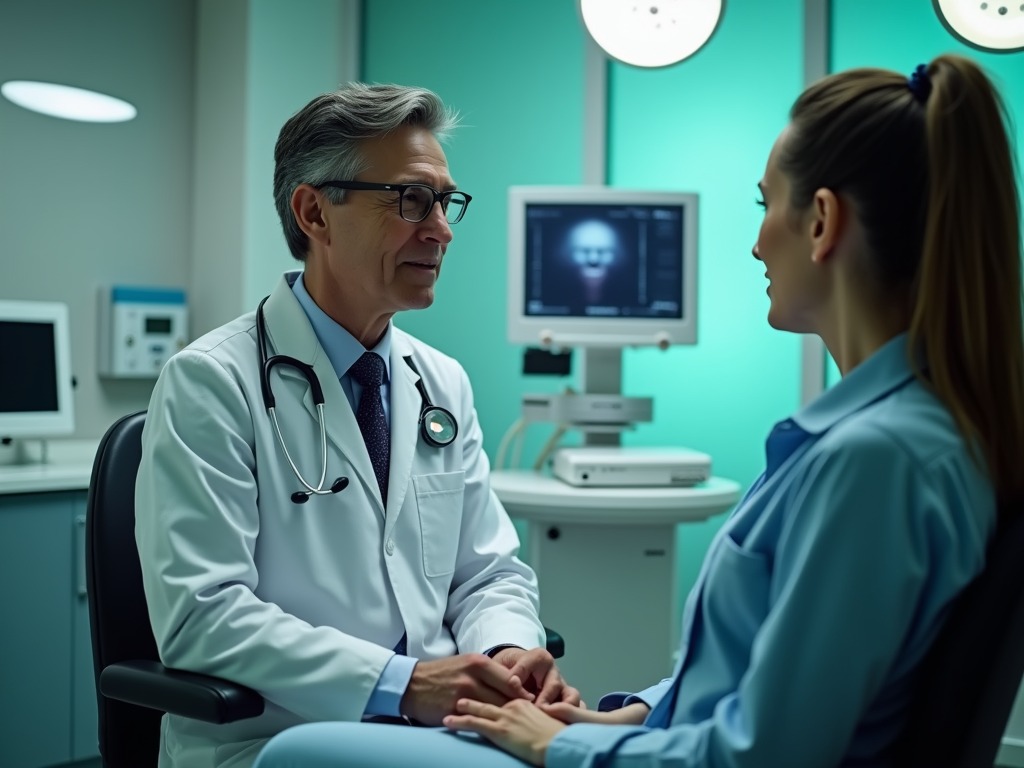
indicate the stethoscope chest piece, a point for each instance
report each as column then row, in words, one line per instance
column 438, row 426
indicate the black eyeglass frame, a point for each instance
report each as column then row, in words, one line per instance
column 400, row 189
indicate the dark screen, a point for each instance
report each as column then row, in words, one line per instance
column 28, row 377
column 158, row 325
column 604, row 261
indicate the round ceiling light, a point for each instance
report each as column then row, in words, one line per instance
column 67, row 102
column 997, row 26
column 655, row 33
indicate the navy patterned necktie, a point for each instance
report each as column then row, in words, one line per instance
column 368, row 372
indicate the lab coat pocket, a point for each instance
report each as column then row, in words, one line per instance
column 439, row 500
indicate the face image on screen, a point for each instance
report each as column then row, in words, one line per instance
column 604, row 261
column 34, row 388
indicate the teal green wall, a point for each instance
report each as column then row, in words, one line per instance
column 515, row 71
column 706, row 125
column 515, row 74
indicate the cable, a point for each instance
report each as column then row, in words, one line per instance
column 499, row 458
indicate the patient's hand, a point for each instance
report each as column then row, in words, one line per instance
column 634, row 714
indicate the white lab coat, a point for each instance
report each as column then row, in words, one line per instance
column 304, row 603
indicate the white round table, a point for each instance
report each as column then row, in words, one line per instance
column 605, row 559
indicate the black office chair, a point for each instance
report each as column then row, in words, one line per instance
column 970, row 676
column 132, row 687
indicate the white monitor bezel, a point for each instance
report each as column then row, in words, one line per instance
column 43, row 423
column 598, row 332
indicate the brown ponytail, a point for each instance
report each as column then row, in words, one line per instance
column 931, row 173
column 967, row 315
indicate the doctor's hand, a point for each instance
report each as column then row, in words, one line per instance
column 536, row 668
column 436, row 686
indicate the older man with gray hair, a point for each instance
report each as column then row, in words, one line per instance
column 314, row 516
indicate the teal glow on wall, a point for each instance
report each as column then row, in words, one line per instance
column 515, row 73
column 706, row 126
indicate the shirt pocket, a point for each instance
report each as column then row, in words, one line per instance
column 736, row 598
column 439, row 502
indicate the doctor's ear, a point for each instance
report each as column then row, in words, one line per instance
column 307, row 207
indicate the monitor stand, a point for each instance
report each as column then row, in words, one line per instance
column 21, row 451
column 597, row 550
column 601, row 374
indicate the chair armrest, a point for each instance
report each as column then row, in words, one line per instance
column 189, row 694
column 555, row 644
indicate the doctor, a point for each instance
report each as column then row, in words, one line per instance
column 347, row 561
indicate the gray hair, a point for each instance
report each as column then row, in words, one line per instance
column 320, row 142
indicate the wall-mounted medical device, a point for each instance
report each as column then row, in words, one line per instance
column 35, row 383
column 139, row 328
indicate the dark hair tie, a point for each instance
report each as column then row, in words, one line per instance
column 920, row 84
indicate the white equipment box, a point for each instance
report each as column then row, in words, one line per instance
column 139, row 328
column 631, row 467
column 587, row 409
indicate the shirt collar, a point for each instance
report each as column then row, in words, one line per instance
column 886, row 370
column 342, row 348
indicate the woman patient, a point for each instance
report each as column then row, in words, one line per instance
column 891, row 231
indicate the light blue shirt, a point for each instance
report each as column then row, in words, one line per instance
column 343, row 349
column 821, row 593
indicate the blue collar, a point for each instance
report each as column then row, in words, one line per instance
column 342, row 348
column 886, row 370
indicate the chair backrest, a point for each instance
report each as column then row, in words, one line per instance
column 118, row 617
column 970, row 677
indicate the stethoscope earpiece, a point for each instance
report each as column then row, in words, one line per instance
column 301, row 497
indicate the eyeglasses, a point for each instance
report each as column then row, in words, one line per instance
column 415, row 201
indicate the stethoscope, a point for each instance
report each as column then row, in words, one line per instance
column 437, row 425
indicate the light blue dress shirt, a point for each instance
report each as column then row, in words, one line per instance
column 821, row 593
column 343, row 349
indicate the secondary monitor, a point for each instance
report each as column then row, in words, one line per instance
column 594, row 266
column 35, row 381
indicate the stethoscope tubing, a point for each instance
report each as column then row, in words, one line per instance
column 447, row 422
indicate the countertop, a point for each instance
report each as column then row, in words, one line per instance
column 68, row 467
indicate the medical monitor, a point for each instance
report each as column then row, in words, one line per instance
column 594, row 266
column 35, row 375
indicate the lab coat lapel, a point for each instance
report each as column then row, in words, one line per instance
column 291, row 334
column 405, row 425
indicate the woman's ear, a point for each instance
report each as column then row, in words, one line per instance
column 309, row 214
column 825, row 224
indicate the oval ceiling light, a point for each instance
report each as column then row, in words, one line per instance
column 655, row 33
column 67, row 102
column 997, row 27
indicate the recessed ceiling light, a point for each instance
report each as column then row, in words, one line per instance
column 655, row 33
column 996, row 26
column 67, row 102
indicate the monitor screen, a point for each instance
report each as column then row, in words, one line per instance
column 35, row 382
column 604, row 261
column 34, row 346
column 601, row 267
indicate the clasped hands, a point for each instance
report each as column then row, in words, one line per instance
column 518, row 700
column 513, row 674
